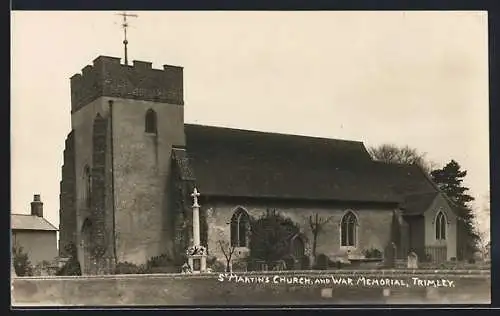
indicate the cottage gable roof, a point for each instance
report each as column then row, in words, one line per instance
column 241, row 163
column 30, row 222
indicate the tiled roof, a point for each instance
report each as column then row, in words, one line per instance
column 417, row 203
column 239, row 163
column 30, row 222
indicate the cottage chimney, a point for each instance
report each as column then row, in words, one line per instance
column 37, row 206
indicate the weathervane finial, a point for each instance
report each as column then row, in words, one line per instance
column 125, row 15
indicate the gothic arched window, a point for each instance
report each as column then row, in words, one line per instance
column 88, row 185
column 440, row 226
column 151, row 122
column 348, row 230
column 240, row 228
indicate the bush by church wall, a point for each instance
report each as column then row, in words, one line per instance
column 176, row 289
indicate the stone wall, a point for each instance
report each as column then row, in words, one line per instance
column 131, row 175
column 373, row 231
column 141, row 168
column 82, row 123
column 107, row 77
column 67, row 198
column 207, row 289
column 450, row 242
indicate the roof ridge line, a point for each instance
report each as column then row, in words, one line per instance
column 275, row 133
column 446, row 197
column 43, row 218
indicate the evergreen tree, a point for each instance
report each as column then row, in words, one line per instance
column 271, row 235
column 22, row 263
column 449, row 179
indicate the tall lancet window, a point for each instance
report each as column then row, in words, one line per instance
column 151, row 122
column 348, row 230
column 440, row 226
column 88, row 185
column 240, row 228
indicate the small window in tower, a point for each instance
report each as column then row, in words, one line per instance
column 151, row 122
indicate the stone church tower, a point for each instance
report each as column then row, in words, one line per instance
column 115, row 178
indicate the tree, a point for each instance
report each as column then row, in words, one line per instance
column 316, row 223
column 450, row 179
column 227, row 251
column 482, row 221
column 271, row 236
column 404, row 155
column 22, row 264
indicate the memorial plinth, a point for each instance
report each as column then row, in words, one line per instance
column 196, row 254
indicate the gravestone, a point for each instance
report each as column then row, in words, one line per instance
column 390, row 253
column 412, row 260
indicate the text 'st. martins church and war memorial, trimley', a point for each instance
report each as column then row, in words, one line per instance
column 131, row 166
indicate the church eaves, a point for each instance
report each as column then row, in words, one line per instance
column 239, row 163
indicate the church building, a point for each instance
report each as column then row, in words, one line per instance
column 131, row 164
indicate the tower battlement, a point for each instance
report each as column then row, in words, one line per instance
column 139, row 81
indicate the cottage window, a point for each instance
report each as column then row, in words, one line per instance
column 440, row 226
column 348, row 230
column 151, row 122
column 240, row 228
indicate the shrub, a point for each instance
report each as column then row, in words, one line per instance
column 42, row 267
column 271, row 236
column 162, row 260
column 161, row 264
column 211, row 260
column 22, row 264
column 217, row 266
column 240, row 265
column 372, row 253
column 129, row 268
column 72, row 266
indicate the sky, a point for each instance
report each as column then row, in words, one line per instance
column 404, row 78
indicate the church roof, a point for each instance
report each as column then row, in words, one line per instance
column 415, row 204
column 30, row 222
column 241, row 163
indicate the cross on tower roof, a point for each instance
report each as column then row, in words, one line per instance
column 125, row 25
